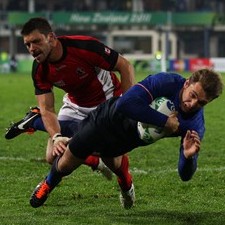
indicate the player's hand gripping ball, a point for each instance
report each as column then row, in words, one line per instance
column 150, row 133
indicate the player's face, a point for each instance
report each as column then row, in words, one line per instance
column 39, row 45
column 193, row 97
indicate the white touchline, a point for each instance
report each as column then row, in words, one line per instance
column 134, row 170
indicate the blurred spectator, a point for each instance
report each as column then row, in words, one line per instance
column 14, row 5
column 13, row 64
column 118, row 5
column 181, row 6
column 154, row 5
column 115, row 5
column 169, row 5
column 203, row 5
column 137, row 6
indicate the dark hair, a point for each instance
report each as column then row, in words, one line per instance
column 211, row 82
column 38, row 23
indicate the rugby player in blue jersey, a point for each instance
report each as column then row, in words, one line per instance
column 111, row 129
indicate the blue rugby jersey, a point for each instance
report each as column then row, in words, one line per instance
column 135, row 105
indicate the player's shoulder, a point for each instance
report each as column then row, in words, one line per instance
column 80, row 42
column 168, row 76
column 76, row 38
column 164, row 79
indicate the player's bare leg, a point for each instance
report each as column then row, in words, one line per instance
column 92, row 161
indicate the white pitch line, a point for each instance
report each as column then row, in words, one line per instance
column 151, row 171
column 141, row 171
column 4, row 158
column 134, row 170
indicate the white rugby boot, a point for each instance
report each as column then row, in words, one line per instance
column 127, row 198
column 104, row 170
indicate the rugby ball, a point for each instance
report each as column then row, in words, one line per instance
column 150, row 133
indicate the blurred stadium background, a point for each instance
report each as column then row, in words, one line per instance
column 174, row 35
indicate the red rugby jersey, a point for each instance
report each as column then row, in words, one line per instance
column 78, row 71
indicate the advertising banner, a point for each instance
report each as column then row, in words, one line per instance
column 199, row 63
column 178, row 65
column 218, row 64
column 119, row 18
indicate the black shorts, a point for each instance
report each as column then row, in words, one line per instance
column 106, row 132
column 69, row 127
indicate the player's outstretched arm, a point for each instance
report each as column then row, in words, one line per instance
column 190, row 146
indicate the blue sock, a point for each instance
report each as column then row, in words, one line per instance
column 68, row 128
column 38, row 124
column 54, row 177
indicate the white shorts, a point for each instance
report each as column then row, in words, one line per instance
column 71, row 111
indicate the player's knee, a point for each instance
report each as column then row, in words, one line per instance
column 49, row 159
column 68, row 162
column 49, row 156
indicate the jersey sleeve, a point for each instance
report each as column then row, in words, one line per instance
column 102, row 56
column 92, row 51
column 135, row 105
column 135, row 102
column 39, row 73
column 107, row 57
column 187, row 167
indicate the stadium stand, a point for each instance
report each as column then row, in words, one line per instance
column 180, row 29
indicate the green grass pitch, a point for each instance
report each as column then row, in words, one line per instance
column 85, row 197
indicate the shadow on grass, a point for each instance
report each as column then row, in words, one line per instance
column 80, row 214
column 171, row 217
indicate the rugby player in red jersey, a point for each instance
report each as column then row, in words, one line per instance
column 81, row 66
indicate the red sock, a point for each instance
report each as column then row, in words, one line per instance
column 124, row 177
column 92, row 161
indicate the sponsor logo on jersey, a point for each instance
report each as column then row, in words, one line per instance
column 81, row 73
column 59, row 83
column 107, row 51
